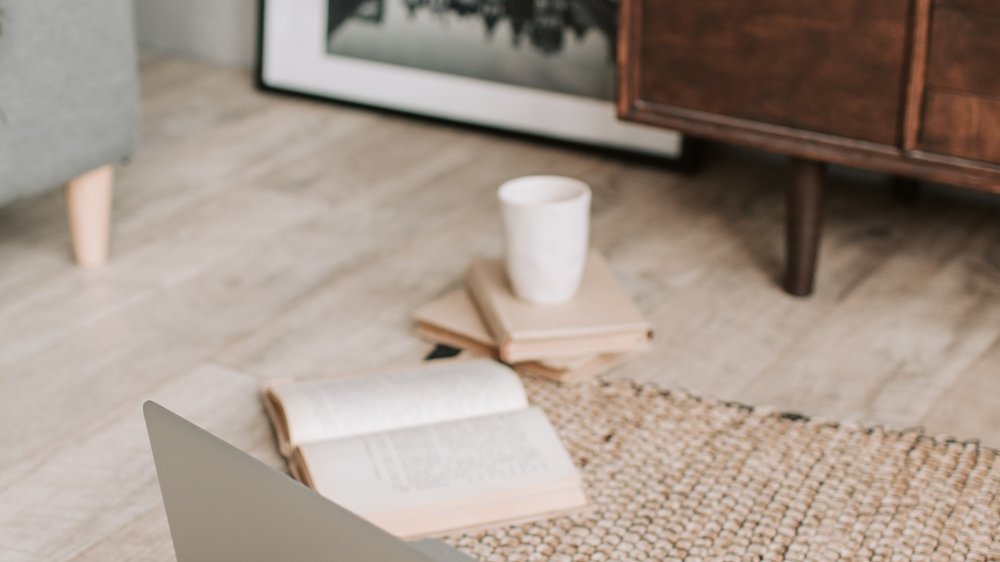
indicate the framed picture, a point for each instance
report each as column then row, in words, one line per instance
column 544, row 67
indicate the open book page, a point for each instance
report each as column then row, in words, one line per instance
column 509, row 510
column 429, row 393
column 448, row 465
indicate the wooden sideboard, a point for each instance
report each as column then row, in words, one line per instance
column 906, row 87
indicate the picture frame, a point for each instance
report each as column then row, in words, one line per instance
column 367, row 52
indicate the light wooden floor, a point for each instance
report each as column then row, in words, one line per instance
column 260, row 236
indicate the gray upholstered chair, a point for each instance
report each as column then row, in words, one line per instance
column 69, row 108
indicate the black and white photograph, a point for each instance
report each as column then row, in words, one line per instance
column 565, row 46
column 542, row 67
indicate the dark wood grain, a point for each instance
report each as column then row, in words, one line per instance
column 890, row 160
column 830, row 67
column 850, row 82
column 917, row 79
column 641, row 67
column 804, row 221
column 961, row 125
column 978, row 6
column 965, row 51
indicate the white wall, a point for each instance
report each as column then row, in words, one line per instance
column 214, row 31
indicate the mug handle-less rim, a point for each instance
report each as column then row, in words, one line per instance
column 543, row 191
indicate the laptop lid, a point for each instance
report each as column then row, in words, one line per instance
column 223, row 504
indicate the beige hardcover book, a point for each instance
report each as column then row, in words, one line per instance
column 426, row 450
column 600, row 319
column 453, row 320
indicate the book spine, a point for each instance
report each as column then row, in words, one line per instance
column 441, row 336
column 275, row 411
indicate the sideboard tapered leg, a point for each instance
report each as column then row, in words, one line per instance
column 905, row 190
column 803, row 225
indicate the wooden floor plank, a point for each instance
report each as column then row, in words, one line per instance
column 38, row 316
column 900, row 338
column 105, row 479
column 970, row 407
column 62, row 385
column 259, row 236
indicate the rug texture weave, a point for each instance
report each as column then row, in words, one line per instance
column 675, row 477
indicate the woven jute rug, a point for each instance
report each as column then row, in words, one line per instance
column 675, row 477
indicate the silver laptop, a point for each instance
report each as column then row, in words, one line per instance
column 222, row 504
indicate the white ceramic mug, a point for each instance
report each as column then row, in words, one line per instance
column 546, row 222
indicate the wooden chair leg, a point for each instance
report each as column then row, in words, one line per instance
column 88, row 200
column 905, row 190
column 803, row 226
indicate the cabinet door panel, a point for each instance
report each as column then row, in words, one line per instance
column 963, row 125
column 830, row 67
column 977, row 6
column 965, row 51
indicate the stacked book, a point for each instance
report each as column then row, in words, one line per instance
column 566, row 342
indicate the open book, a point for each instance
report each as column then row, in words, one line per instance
column 426, row 450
